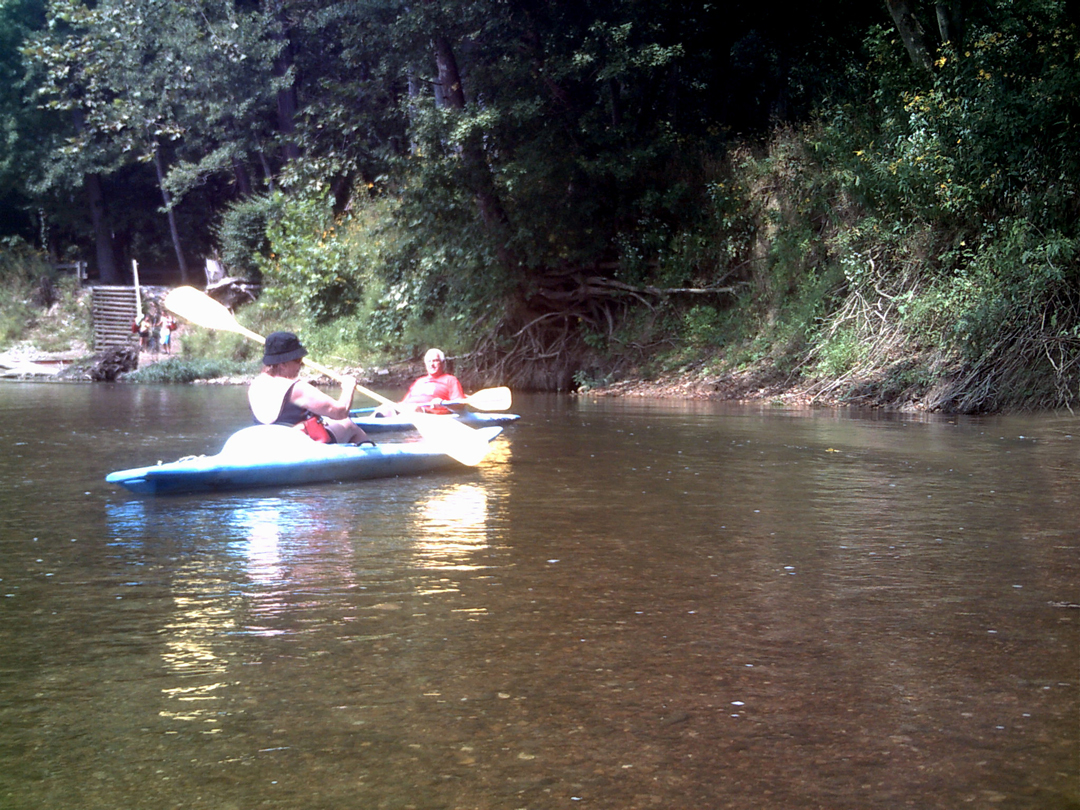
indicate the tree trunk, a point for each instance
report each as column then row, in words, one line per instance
column 286, row 98
column 911, row 32
column 950, row 20
column 477, row 172
column 616, row 102
column 170, row 213
column 453, row 93
column 243, row 179
column 413, row 90
column 108, row 272
column 268, row 173
column 286, row 109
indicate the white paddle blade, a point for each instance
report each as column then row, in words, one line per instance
column 199, row 308
column 458, row 441
column 490, row 399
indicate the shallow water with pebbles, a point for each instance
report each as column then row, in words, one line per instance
column 631, row 604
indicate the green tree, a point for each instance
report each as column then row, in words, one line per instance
column 70, row 62
column 184, row 88
column 42, row 127
column 21, row 124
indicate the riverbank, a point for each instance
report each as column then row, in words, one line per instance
column 26, row 362
column 763, row 385
column 745, row 386
column 760, row 385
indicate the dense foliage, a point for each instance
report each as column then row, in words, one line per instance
column 878, row 200
column 963, row 182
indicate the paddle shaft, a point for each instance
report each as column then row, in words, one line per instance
column 486, row 399
column 319, row 367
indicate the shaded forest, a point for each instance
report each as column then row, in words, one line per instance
column 874, row 200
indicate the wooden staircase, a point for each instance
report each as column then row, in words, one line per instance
column 114, row 310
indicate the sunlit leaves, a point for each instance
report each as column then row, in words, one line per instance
column 140, row 73
column 993, row 132
column 309, row 260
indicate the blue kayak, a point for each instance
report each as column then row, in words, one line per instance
column 271, row 455
column 372, row 424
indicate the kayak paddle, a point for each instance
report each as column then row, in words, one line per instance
column 486, row 399
column 453, row 438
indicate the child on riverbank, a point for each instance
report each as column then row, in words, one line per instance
column 168, row 325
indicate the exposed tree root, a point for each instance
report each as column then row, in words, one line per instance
column 549, row 335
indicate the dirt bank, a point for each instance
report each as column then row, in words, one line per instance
column 760, row 385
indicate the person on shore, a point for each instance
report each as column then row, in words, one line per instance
column 432, row 393
column 146, row 328
column 278, row 396
column 167, row 327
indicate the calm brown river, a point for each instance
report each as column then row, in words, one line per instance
column 631, row 605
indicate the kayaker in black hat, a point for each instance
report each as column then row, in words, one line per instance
column 278, row 396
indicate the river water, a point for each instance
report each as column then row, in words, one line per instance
column 630, row 604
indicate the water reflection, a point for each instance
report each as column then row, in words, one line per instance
column 189, row 653
column 451, row 528
column 454, row 526
column 264, row 546
column 304, row 562
column 292, row 548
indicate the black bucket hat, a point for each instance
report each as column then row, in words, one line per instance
column 281, row 347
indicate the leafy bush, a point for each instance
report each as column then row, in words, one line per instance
column 15, row 309
column 180, row 370
column 1026, row 279
column 312, row 258
column 361, row 285
column 704, row 326
column 990, row 132
column 242, row 233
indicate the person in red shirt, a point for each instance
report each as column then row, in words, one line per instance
column 436, row 389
